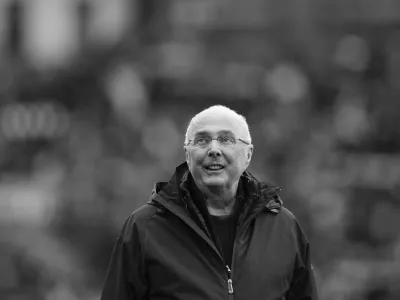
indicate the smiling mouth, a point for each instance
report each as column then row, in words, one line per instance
column 214, row 167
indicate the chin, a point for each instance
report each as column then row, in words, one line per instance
column 214, row 182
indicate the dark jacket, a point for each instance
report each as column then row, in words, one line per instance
column 165, row 250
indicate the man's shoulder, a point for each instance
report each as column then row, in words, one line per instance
column 286, row 217
column 287, row 214
column 143, row 213
column 292, row 223
column 140, row 216
column 135, row 224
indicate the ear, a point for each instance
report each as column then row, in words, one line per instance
column 249, row 154
column 185, row 148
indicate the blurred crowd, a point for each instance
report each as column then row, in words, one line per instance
column 95, row 100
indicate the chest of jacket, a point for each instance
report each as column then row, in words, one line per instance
column 181, row 264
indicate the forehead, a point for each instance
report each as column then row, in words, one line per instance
column 215, row 123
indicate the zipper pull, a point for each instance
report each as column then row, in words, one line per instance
column 229, row 270
column 230, row 284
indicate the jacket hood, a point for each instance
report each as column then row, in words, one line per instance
column 258, row 195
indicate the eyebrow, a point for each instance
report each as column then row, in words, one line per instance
column 203, row 133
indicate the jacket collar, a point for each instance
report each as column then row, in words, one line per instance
column 258, row 195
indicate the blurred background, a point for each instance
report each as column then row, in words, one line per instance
column 95, row 100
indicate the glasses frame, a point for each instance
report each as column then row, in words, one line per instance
column 238, row 139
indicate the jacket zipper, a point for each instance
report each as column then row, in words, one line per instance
column 230, row 283
column 229, row 270
column 219, row 252
column 221, row 256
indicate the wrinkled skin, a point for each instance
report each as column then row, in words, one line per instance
column 236, row 159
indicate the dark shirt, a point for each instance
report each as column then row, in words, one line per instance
column 224, row 228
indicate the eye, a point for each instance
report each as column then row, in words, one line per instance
column 227, row 140
column 201, row 141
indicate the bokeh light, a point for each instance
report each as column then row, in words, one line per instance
column 287, row 82
column 48, row 45
column 351, row 122
column 162, row 139
column 352, row 52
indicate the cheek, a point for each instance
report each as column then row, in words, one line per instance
column 238, row 159
column 194, row 158
column 238, row 156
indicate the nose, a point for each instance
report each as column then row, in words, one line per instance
column 215, row 149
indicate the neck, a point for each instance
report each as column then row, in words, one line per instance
column 220, row 201
column 221, row 211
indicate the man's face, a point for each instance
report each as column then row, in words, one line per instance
column 216, row 165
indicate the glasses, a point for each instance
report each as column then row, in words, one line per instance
column 225, row 141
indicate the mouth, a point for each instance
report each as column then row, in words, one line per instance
column 214, row 167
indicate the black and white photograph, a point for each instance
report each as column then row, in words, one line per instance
column 199, row 150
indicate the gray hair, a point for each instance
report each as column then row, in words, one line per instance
column 223, row 110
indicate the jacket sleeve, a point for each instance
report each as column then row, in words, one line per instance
column 125, row 279
column 303, row 286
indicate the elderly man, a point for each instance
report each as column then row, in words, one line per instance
column 213, row 231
